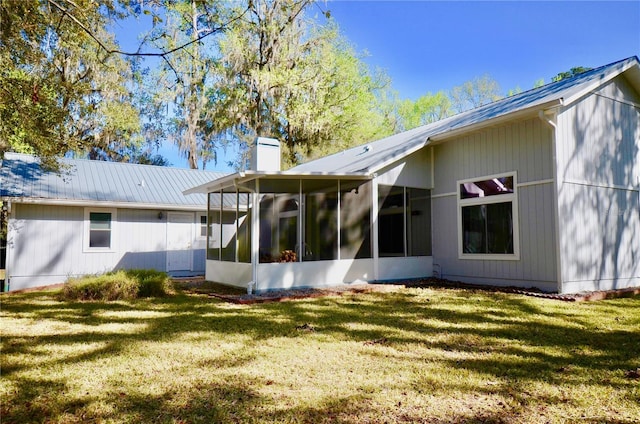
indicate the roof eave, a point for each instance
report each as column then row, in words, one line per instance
column 397, row 157
column 239, row 178
column 523, row 113
column 629, row 64
column 102, row 204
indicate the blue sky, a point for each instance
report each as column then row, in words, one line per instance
column 427, row 46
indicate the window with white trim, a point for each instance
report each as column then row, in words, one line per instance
column 202, row 229
column 488, row 218
column 99, row 229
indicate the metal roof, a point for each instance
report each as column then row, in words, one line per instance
column 102, row 183
column 373, row 156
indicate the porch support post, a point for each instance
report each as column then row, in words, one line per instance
column 301, row 214
column 339, row 218
column 374, row 229
column 255, row 235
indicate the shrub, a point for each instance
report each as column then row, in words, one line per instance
column 118, row 285
column 151, row 283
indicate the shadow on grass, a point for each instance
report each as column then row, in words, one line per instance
column 509, row 339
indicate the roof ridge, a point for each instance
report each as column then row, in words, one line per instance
column 564, row 81
column 140, row 165
column 71, row 161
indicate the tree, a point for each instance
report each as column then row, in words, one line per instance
column 186, row 76
column 538, row 83
column 61, row 91
column 284, row 76
column 570, row 73
column 474, row 93
column 514, row 91
column 425, row 110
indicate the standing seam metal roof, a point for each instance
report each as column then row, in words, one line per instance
column 96, row 182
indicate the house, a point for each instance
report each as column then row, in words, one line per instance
column 540, row 189
column 95, row 216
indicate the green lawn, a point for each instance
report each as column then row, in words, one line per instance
column 414, row 355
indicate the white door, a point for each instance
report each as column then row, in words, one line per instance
column 179, row 238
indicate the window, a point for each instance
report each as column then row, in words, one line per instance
column 279, row 232
column 488, row 218
column 404, row 221
column 355, row 219
column 244, row 227
column 229, row 228
column 391, row 205
column 320, row 220
column 418, row 222
column 281, row 213
column 202, row 233
column 98, row 234
column 214, row 221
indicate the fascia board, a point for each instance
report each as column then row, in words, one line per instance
column 102, row 204
column 598, row 83
column 529, row 111
column 397, row 157
column 243, row 177
column 213, row 184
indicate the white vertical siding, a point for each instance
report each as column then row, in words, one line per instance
column 413, row 171
column 599, row 167
column 142, row 238
column 46, row 244
column 524, row 147
column 599, row 137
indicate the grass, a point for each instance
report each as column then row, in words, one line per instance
column 415, row 355
column 118, row 285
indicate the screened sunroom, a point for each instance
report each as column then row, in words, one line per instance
column 279, row 230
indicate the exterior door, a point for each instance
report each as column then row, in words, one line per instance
column 179, row 239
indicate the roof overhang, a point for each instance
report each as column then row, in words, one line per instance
column 630, row 68
column 102, row 204
column 398, row 156
column 242, row 178
column 501, row 119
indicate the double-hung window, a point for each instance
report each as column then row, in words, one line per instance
column 99, row 229
column 488, row 218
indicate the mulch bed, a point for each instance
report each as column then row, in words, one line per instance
column 532, row 291
column 239, row 296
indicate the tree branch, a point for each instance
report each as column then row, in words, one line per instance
column 223, row 27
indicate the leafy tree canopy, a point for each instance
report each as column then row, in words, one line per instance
column 61, row 91
column 570, row 73
column 283, row 75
